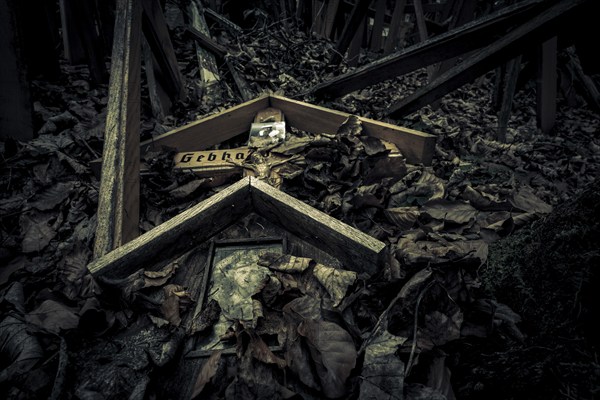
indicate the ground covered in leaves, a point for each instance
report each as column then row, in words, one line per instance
column 485, row 294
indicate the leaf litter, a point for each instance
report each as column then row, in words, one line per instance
column 341, row 335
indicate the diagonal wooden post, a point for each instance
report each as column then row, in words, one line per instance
column 118, row 203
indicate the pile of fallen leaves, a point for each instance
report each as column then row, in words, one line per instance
column 391, row 335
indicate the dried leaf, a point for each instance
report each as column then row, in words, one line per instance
column 53, row 196
column 38, row 234
column 333, row 352
column 188, row 189
column 159, row 278
column 53, row 317
column 174, row 296
column 336, row 281
column 284, row 263
column 207, row 318
column 303, row 308
column 526, row 200
column 440, row 328
column 438, row 377
column 451, row 211
column 260, row 351
column 383, row 371
column 208, row 371
column 403, row 217
column 20, row 350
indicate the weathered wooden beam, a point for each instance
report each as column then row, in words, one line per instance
column 586, row 85
column 118, row 203
column 207, row 42
column 517, row 41
column 16, row 118
column 416, row 146
column 356, row 250
column 356, row 44
column 214, row 16
column 513, row 68
column 209, row 131
column 159, row 99
column 330, row 16
column 451, row 44
column 157, row 35
column 395, row 24
column 547, row 83
column 377, row 32
column 209, row 70
column 356, row 16
column 93, row 44
column 240, row 82
column 187, row 229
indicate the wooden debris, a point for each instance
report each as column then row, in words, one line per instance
column 451, row 44
column 510, row 45
column 157, row 35
column 356, row 16
column 118, row 203
column 513, row 67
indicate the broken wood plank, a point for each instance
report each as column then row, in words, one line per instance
column 546, row 85
column 157, row 35
column 356, row 44
column 192, row 226
column 394, row 30
column 159, row 99
column 16, row 117
column 586, row 84
column 240, row 82
column 356, row 250
column 356, row 16
column 469, row 37
column 118, row 203
column 517, row 41
column 209, row 70
column 377, row 32
column 224, row 22
column 207, row 42
column 417, row 147
column 513, row 68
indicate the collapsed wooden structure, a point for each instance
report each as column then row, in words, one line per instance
column 501, row 38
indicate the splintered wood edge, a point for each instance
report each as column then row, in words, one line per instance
column 194, row 225
column 356, row 250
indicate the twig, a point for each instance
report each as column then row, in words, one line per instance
column 61, row 371
column 414, row 344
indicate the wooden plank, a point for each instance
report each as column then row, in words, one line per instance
column 356, row 250
column 547, row 82
column 469, row 37
column 513, row 68
column 16, row 118
column 395, row 24
column 377, row 32
column 209, row 131
column 330, row 16
column 586, row 84
column 206, row 42
column 356, row 44
column 187, row 229
column 517, row 41
column 221, row 20
column 240, row 82
column 356, row 16
column 417, row 147
column 73, row 48
column 84, row 15
column 118, row 203
column 205, row 132
column 155, row 31
column 159, row 98
column 209, row 70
